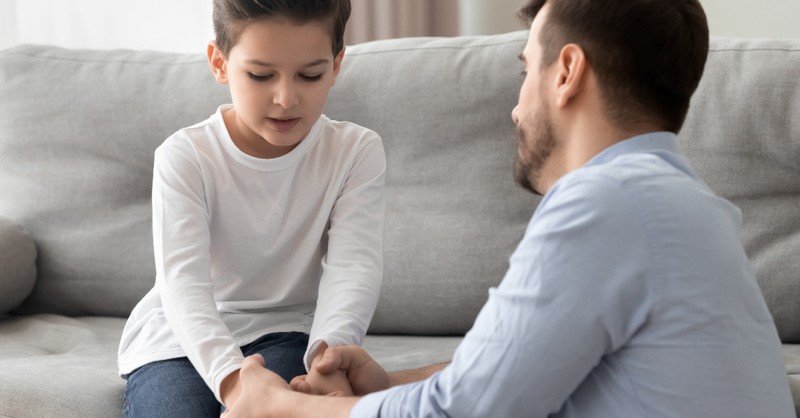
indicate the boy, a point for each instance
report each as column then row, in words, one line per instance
column 267, row 220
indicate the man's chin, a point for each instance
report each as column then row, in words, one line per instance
column 522, row 176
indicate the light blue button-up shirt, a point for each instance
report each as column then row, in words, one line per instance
column 630, row 295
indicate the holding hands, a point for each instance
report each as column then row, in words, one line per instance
column 337, row 372
column 339, row 366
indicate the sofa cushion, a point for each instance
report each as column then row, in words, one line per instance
column 743, row 137
column 54, row 366
column 17, row 265
column 77, row 135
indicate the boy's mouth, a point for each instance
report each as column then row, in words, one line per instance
column 283, row 124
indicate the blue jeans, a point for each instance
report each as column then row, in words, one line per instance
column 173, row 388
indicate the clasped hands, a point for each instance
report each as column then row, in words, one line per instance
column 335, row 372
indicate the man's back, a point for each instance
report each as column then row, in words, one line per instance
column 696, row 338
column 629, row 296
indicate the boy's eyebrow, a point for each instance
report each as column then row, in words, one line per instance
column 521, row 57
column 266, row 64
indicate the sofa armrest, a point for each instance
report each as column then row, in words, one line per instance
column 17, row 265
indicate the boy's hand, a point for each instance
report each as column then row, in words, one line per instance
column 230, row 388
column 316, row 383
column 333, row 384
column 363, row 373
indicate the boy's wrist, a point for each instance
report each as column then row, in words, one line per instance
column 230, row 388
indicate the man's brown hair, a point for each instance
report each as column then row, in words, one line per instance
column 648, row 55
column 231, row 16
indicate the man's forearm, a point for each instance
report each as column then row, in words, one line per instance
column 289, row 404
column 309, row 406
column 415, row 375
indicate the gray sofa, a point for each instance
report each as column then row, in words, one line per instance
column 77, row 134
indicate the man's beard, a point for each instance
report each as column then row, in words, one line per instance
column 535, row 147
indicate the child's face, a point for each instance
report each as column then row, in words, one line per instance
column 279, row 74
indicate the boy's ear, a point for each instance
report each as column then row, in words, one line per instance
column 337, row 64
column 217, row 63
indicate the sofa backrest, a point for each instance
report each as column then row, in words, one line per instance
column 78, row 128
column 77, row 133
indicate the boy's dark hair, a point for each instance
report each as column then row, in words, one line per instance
column 648, row 55
column 231, row 16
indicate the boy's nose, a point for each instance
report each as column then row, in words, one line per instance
column 285, row 96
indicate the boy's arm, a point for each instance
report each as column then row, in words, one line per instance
column 352, row 268
column 181, row 240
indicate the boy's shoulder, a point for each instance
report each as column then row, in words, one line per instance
column 347, row 131
column 191, row 136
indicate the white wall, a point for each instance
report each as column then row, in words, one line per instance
column 8, row 23
column 753, row 19
column 185, row 25
column 736, row 18
column 487, row 17
column 166, row 25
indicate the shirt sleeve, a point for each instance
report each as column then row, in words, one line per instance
column 181, row 239
column 352, row 268
column 576, row 290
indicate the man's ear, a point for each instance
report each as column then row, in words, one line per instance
column 571, row 73
column 217, row 62
column 337, row 64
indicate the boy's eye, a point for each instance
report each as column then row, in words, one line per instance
column 311, row 77
column 257, row 77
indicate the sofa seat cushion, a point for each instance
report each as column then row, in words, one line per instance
column 17, row 265
column 404, row 352
column 55, row 366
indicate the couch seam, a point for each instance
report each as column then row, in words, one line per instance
column 754, row 49
column 105, row 61
column 434, row 48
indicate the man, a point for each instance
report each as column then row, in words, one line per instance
column 630, row 294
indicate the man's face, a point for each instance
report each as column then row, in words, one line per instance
column 280, row 74
column 536, row 138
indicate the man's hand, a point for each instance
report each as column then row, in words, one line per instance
column 364, row 374
column 260, row 387
column 264, row 394
column 330, row 384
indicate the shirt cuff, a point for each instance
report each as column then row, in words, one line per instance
column 369, row 406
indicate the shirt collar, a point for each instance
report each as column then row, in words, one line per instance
column 650, row 142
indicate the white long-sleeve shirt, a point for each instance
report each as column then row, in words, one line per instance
column 247, row 246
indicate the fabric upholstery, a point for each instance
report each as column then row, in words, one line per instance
column 54, row 366
column 17, row 265
column 77, row 134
